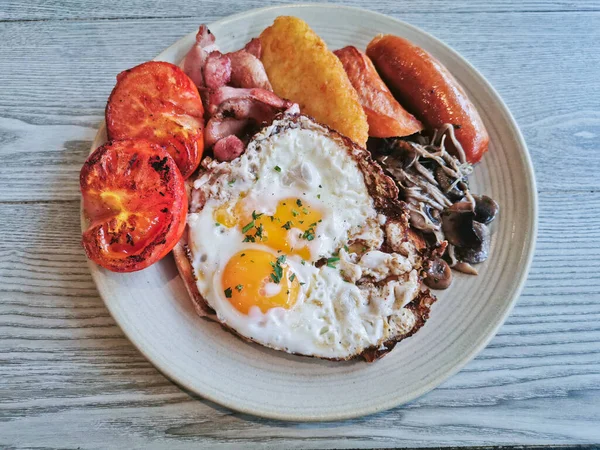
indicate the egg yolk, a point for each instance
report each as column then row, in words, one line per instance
column 292, row 215
column 228, row 214
column 259, row 278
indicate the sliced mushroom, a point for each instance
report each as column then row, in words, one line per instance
column 439, row 275
column 448, row 185
column 457, row 225
column 486, row 209
column 479, row 252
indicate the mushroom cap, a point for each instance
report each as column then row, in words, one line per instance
column 439, row 275
column 457, row 225
column 486, row 209
column 477, row 253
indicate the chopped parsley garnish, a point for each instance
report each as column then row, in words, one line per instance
column 320, row 186
column 230, row 183
column 301, row 222
column 319, row 196
column 259, row 232
column 302, row 284
column 309, row 234
column 298, row 202
column 239, row 287
column 287, row 225
column 259, row 229
column 217, row 224
column 305, row 211
column 332, row 261
column 314, row 224
column 293, row 277
column 294, row 212
column 228, row 292
column 277, row 269
column 242, row 255
column 303, row 262
column 248, row 227
column 346, row 248
column 277, row 169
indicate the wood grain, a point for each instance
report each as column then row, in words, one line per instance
column 70, row 379
column 107, row 9
column 54, row 93
column 67, row 362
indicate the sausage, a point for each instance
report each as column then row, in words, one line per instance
column 385, row 116
column 426, row 88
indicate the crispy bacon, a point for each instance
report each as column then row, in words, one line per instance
column 254, row 47
column 218, row 128
column 239, row 112
column 209, row 68
column 228, row 148
column 218, row 96
column 194, row 61
column 247, row 71
column 217, row 70
column 236, row 91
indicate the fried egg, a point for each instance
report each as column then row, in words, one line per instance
column 287, row 246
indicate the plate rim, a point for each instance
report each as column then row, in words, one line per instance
column 465, row 358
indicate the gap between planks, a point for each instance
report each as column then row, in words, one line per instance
column 193, row 16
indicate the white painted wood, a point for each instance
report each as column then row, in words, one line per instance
column 55, row 85
column 68, row 376
column 91, row 9
column 66, row 365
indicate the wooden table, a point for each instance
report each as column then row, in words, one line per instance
column 70, row 379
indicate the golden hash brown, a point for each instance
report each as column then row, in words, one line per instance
column 303, row 70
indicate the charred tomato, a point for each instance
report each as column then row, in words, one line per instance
column 135, row 201
column 158, row 101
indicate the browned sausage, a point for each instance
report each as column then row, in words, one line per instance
column 426, row 88
column 385, row 115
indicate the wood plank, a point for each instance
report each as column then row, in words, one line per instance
column 105, row 9
column 63, row 360
column 54, row 90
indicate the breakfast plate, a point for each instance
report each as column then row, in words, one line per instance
column 155, row 312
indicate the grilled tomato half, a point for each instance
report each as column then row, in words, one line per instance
column 158, row 101
column 135, row 201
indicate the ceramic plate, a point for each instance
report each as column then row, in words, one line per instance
column 153, row 309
